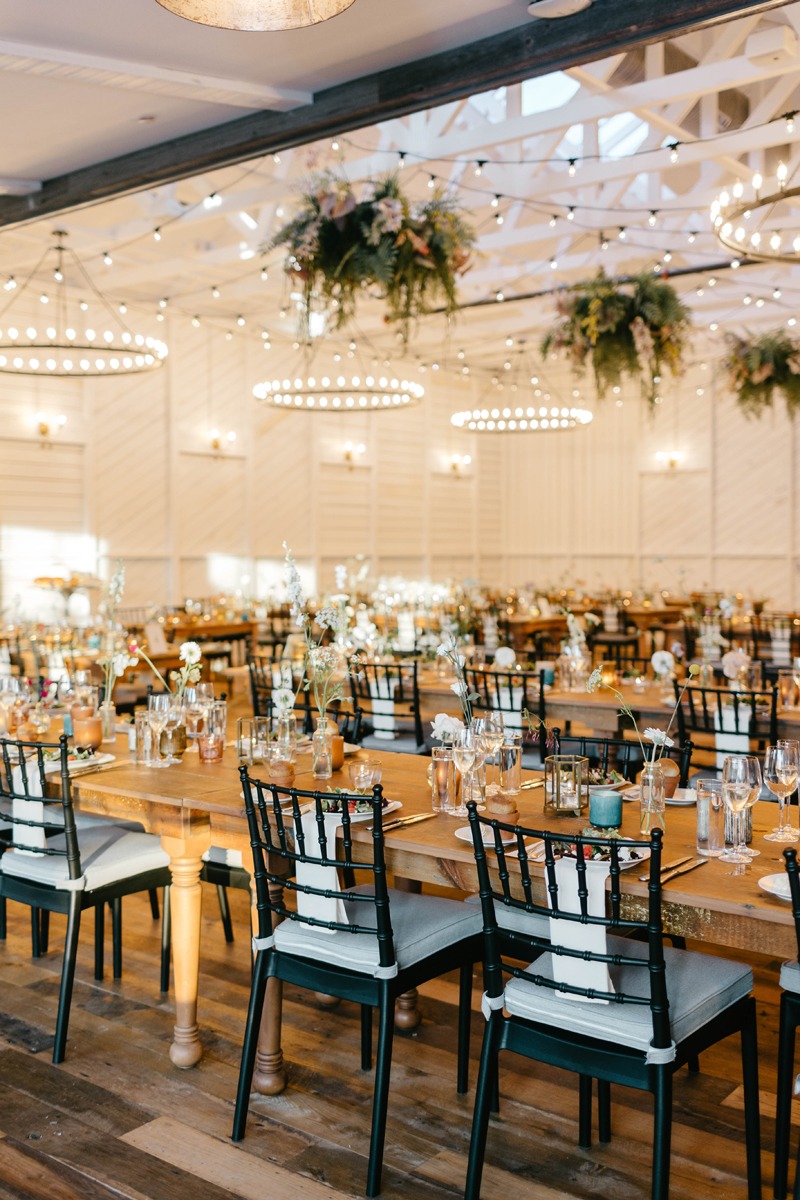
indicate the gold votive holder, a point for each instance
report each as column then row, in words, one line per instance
column 566, row 784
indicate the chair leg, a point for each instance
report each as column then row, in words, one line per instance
column 786, row 1051
column 44, row 929
column 2, row 919
column 67, row 977
column 464, row 1022
column 225, row 912
column 487, row 1082
column 250, row 1045
column 585, row 1111
column 380, row 1096
column 116, row 936
column 752, row 1127
column 604, row 1110
column 99, row 937
column 166, row 940
column 153, row 895
column 366, row 1037
column 36, row 942
column 662, row 1132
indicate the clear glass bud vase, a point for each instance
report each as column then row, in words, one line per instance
column 651, row 802
column 322, row 751
column 108, row 715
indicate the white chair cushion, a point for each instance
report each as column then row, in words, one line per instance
column 699, row 987
column 54, row 814
column 422, row 925
column 108, row 854
column 790, row 977
column 516, row 919
column 223, row 856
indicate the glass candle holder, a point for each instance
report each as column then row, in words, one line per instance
column 566, row 784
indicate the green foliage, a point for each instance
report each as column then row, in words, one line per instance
column 637, row 329
column 338, row 247
column 759, row 368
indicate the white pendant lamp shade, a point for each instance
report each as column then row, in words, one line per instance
column 257, row 15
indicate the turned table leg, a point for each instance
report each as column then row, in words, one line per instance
column 185, row 903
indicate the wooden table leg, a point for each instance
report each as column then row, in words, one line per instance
column 186, row 901
column 406, row 1014
column 269, row 1077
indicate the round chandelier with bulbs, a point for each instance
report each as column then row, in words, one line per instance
column 339, row 393
column 521, row 419
column 757, row 219
column 256, row 15
column 65, row 341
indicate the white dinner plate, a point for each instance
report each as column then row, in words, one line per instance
column 776, row 885
column 608, row 787
column 683, row 798
column 464, row 834
column 392, row 806
column 349, row 749
column 79, row 764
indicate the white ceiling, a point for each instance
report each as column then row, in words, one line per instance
column 80, row 77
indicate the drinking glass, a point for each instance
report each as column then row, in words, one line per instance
column 194, row 708
column 781, row 765
column 211, row 742
column 741, row 783
column 491, row 729
column 466, row 747
column 159, row 708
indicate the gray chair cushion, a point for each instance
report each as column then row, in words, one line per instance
column 790, row 977
column 699, row 987
column 422, row 925
column 516, row 919
column 108, row 854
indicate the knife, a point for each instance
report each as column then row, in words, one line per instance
column 532, row 783
column 690, row 866
column 676, row 862
column 401, row 821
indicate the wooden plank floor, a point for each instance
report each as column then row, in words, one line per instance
column 116, row 1120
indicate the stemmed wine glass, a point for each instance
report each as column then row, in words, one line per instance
column 741, row 783
column 781, row 765
column 159, row 707
column 490, row 727
column 465, row 748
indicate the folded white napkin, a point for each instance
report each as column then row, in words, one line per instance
column 322, row 908
column 726, row 739
column 574, row 936
column 544, row 606
column 781, row 647
column 382, row 692
column 28, row 810
column 406, row 631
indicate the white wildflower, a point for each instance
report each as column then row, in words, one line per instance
column 190, row 653
column 733, row 662
column 663, row 662
column 444, row 726
column 283, row 699
column 658, row 737
column 595, row 680
column 460, row 688
column 340, row 571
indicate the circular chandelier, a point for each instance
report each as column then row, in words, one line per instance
column 521, row 419
column 757, row 223
column 66, row 343
column 256, row 15
column 543, row 413
column 339, row 393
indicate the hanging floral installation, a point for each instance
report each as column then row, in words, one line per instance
column 761, row 367
column 409, row 254
column 637, row 329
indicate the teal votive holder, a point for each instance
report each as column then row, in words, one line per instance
column 605, row 809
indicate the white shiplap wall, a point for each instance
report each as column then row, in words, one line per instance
column 130, row 476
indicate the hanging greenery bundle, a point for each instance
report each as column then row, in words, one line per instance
column 758, row 368
column 408, row 254
column 638, row 329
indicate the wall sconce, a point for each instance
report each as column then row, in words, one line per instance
column 671, row 459
column 219, row 441
column 459, row 464
column 353, row 451
column 47, row 426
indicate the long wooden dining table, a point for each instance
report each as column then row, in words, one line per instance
column 193, row 805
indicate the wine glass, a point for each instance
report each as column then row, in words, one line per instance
column 741, row 783
column 159, row 708
column 465, row 746
column 490, row 727
column 781, row 765
column 195, row 707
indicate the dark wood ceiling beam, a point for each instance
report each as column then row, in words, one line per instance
column 522, row 53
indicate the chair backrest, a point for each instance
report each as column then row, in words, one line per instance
column 793, row 874
column 727, row 716
column 32, row 815
column 283, row 843
column 260, row 668
column 622, row 755
column 562, row 893
column 348, row 722
column 512, row 693
column 375, row 685
column 626, row 664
